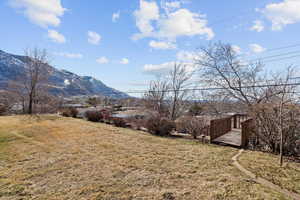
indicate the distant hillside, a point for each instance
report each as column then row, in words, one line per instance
column 62, row 82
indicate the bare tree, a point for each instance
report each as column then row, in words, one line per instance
column 156, row 97
column 222, row 68
column 167, row 94
column 179, row 82
column 194, row 126
column 278, row 117
column 30, row 87
column 270, row 101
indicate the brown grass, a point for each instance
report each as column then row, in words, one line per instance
column 65, row 158
column 267, row 166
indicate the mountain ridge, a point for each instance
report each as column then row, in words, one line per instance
column 61, row 82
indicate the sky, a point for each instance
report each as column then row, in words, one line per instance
column 124, row 43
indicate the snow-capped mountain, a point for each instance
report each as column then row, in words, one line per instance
column 61, row 82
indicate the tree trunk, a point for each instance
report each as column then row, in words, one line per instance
column 173, row 111
column 281, row 148
column 30, row 106
column 281, row 133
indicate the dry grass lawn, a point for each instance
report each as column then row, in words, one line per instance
column 267, row 166
column 51, row 157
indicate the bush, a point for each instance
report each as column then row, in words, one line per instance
column 191, row 125
column 119, row 122
column 137, row 124
column 94, row 116
column 66, row 113
column 160, row 126
column 180, row 125
column 2, row 109
column 106, row 114
column 69, row 112
column 73, row 112
column 195, row 109
column 267, row 120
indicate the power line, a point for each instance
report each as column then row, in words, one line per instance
column 278, row 55
column 284, row 58
column 283, row 47
column 217, row 88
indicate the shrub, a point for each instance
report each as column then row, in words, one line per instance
column 119, row 122
column 191, row 125
column 69, row 112
column 106, row 114
column 267, row 120
column 2, row 109
column 138, row 124
column 195, row 109
column 160, row 126
column 94, row 116
column 66, row 113
column 73, row 112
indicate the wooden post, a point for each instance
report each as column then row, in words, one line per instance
column 234, row 121
column 211, row 131
column 243, row 135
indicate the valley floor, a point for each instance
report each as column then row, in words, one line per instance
column 51, row 157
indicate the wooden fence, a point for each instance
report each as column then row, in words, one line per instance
column 219, row 127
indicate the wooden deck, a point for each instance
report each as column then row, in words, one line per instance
column 232, row 138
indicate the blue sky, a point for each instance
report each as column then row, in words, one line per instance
column 124, row 42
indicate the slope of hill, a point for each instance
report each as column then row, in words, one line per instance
column 62, row 82
column 50, row 157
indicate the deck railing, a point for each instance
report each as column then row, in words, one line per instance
column 219, row 127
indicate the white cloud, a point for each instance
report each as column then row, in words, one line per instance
column 148, row 12
column 258, row 26
column 93, row 38
column 165, row 68
column 187, row 56
column 158, row 69
column 171, row 24
column 115, row 16
column 236, row 49
column 124, row 61
column 169, row 6
column 41, row 12
column 283, row 13
column 161, row 45
column 256, row 48
column 56, row 36
column 69, row 55
column 184, row 23
column 102, row 60
column 173, row 4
